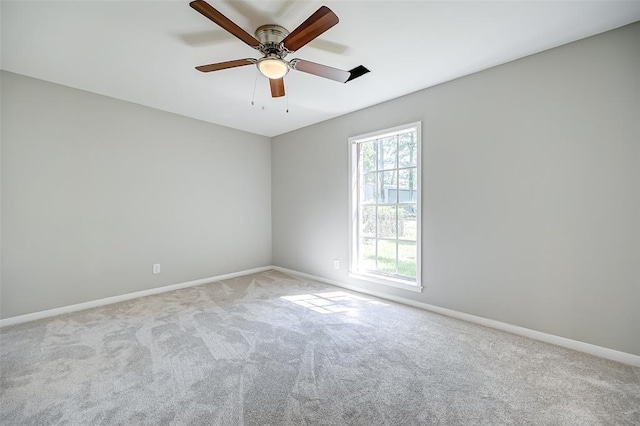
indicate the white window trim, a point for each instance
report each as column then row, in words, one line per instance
column 353, row 210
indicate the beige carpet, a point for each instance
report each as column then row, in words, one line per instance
column 271, row 349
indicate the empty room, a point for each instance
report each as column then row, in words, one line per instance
column 243, row 212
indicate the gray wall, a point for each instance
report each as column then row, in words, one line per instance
column 531, row 191
column 96, row 190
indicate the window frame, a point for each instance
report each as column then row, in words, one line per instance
column 354, row 212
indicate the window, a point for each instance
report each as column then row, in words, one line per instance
column 385, row 206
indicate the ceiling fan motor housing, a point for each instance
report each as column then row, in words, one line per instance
column 271, row 37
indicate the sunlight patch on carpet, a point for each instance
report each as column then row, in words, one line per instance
column 330, row 302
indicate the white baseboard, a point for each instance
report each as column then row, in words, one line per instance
column 599, row 351
column 115, row 299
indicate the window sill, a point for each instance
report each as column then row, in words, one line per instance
column 388, row 281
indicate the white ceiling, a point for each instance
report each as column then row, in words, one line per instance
column 145, row 51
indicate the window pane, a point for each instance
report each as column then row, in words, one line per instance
column 387, row 187
column 367, row 156
column 368, row 224
column 407, row 253
column 408, row 191
column 387, row 221
column 407, row 223
column 387, row 153
column 367, row 252
column 368, row 190
column 387, row 256
column 407, row 150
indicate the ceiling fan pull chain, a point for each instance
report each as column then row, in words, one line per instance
column 288, row 99
column 253, row 97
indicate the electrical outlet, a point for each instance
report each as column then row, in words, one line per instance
column 156, row 268
column 336, row 263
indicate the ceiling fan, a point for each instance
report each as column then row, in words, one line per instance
column 275, row 43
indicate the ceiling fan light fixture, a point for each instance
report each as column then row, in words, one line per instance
column 273, row 68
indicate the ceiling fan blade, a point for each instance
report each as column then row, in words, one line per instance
column 320, row 70
column 209, row 12
column 277, row 87
column 316, row 24
column 224, row 65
